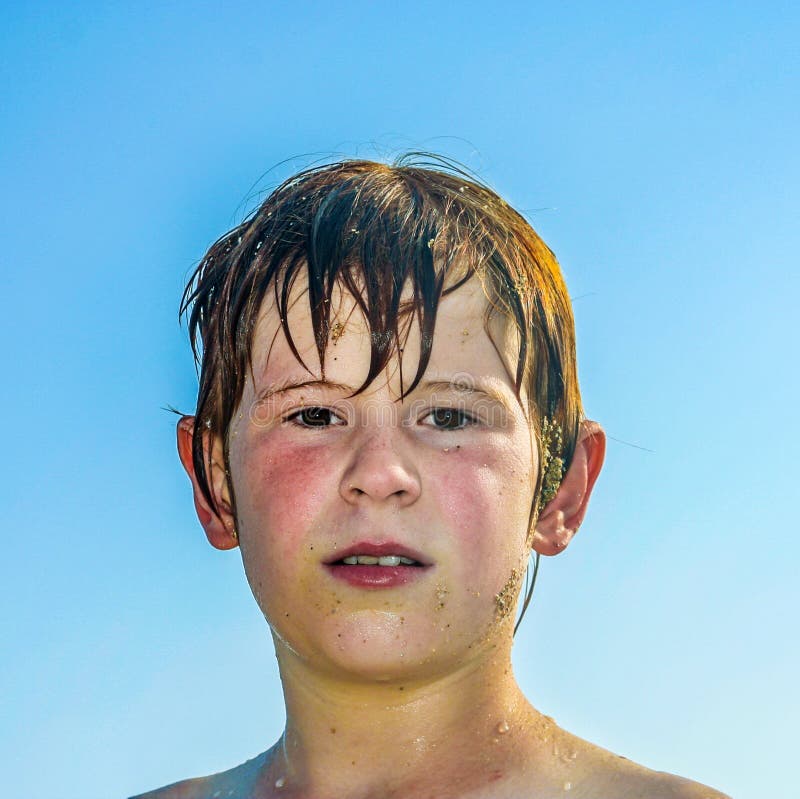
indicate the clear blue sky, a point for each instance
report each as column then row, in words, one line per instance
column 655, row 147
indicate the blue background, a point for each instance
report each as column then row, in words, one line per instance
column 655, row 148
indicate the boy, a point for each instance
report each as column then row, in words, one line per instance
column 388, row 422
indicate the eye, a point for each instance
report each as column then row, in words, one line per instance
column 449, row 419
column 314, row 416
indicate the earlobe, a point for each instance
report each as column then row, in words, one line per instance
column 560, row 518
column 218, row 522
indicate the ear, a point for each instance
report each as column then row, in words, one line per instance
column 561, row 517
column 219, row 522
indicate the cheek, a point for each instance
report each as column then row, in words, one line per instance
column 486, row 494
column 281, row 495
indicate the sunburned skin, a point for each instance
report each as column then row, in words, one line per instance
column 399, row 683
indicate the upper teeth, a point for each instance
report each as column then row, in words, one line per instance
column 371, row 560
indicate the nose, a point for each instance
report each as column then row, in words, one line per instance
column 380, row 470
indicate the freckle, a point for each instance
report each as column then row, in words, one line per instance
column 333, row 730
column 402, row 688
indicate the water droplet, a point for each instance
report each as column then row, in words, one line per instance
column 280, row 782
column 567, row 786
column 502, row 728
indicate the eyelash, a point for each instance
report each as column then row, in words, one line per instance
column 466, row 419
column 296, row 417
column 300, row 418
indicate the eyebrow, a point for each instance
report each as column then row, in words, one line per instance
column 287, row 385
column 478, row 387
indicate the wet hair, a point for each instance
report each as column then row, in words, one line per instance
column 397, row 237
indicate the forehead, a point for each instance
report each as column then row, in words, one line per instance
column 461, row 345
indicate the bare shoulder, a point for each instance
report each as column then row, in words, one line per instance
column 224, row 785
column 597, row 773
column 660, row 785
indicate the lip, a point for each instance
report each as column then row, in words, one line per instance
column 377, row 550
column 377, row 576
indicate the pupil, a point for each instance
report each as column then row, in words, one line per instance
column 316, row 417
column 447, row 417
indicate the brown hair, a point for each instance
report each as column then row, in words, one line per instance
column 375, row 230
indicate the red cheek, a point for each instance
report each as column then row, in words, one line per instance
column 464, row 493
column 288, row 487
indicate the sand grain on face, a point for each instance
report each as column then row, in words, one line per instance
column 337, row 331
column 504, row 601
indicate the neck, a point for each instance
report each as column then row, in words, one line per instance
column 445, row 735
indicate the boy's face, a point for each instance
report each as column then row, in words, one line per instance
column 443, row 478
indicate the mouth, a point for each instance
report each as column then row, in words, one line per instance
column 371, row 565
column 386, row 554
column 383, row 560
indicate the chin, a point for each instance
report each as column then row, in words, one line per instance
column 384, row 646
